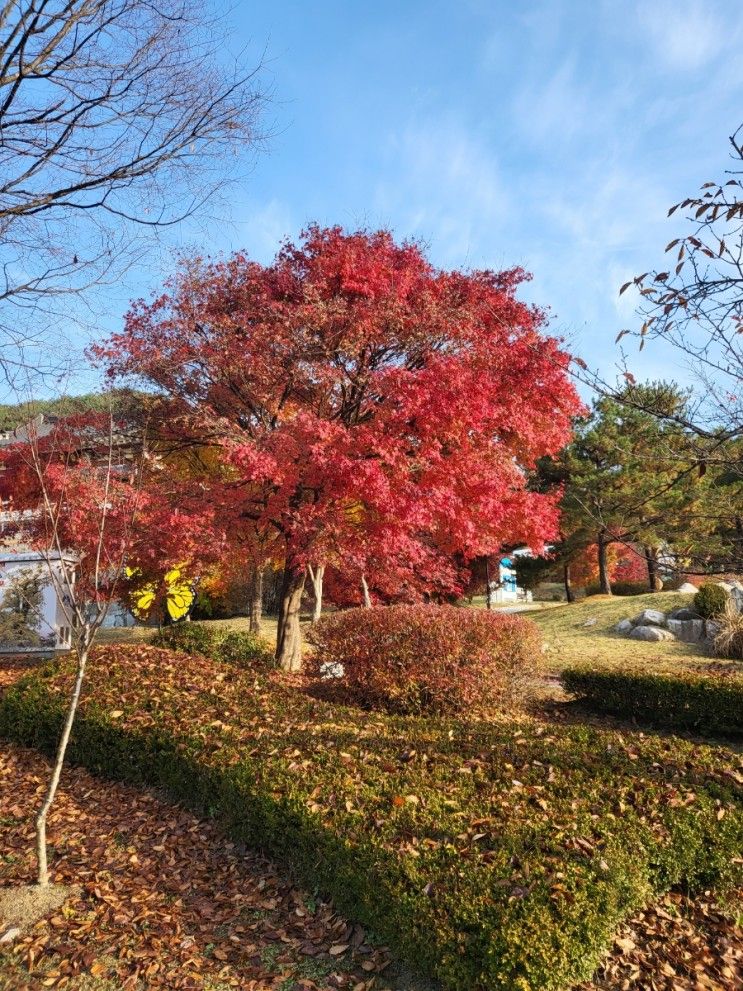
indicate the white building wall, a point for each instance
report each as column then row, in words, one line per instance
column 51, row 621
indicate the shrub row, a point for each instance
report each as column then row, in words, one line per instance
column 422, row 658
column 487, row 855
column 707, row 703
column 231, row 647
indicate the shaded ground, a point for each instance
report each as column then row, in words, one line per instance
column 675, row 945
column 165, row 900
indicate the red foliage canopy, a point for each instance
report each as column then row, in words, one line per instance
column 85, row 490
column 367, row 403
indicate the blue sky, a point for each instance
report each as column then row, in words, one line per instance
column 554, row 135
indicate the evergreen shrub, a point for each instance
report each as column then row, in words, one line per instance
column 710, row 600
column 711, row 704
column 210, row 640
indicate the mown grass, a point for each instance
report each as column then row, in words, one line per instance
column 572, row 643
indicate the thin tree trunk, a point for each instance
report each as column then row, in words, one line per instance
column 289, row 633
column 43, row 872
column 738, row 544
column 316, row 577
column 652, row 566
column 604, row 583
column 365, row 590
column 256, row 600
column 568, row 587
column 488, row 589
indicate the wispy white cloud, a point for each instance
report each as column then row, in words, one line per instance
column 260, row 229
column 447, row 186
column 684, row 34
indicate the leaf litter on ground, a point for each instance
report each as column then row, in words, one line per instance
column 166, row 901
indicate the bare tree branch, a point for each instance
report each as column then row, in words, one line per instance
column 118, row 118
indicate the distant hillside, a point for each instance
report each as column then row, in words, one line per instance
column 12, row 416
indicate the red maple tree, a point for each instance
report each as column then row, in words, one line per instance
column 87, row 490
column 366, row 402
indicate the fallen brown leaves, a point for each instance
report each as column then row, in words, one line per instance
column 679, row 944
column 14, row 667
column 166, row 902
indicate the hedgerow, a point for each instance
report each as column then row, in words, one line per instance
column 707, row 703
column 425, row 658
column 232, row 647
column 489, row 855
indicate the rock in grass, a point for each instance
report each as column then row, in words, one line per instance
column 331, row 670
column 651, row 634
column 684, row 613
column 687, row 589
column 624, row 626
column 650, row 617
column 687, row 630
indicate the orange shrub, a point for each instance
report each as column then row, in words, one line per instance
column 425, row 658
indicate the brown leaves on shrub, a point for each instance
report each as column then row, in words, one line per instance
column 425, row 658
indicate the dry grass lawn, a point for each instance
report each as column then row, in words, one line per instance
column 564, row 629
column 141, row 634
column 572, row 642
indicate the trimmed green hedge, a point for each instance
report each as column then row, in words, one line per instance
column 489, row 855
column 233, row 647
column 710, row 704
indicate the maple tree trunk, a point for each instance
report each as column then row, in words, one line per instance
column 488, row 589
column 316, row 577
column 365, row 590
column 42, row 876
column 568, row 587
column 256, row 600
column 289, row 634
column 604, row 584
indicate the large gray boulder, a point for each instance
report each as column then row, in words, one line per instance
column 688, row 630
column 650, row 617
column 624, row 626
column 684, row 613
column 652, row 634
